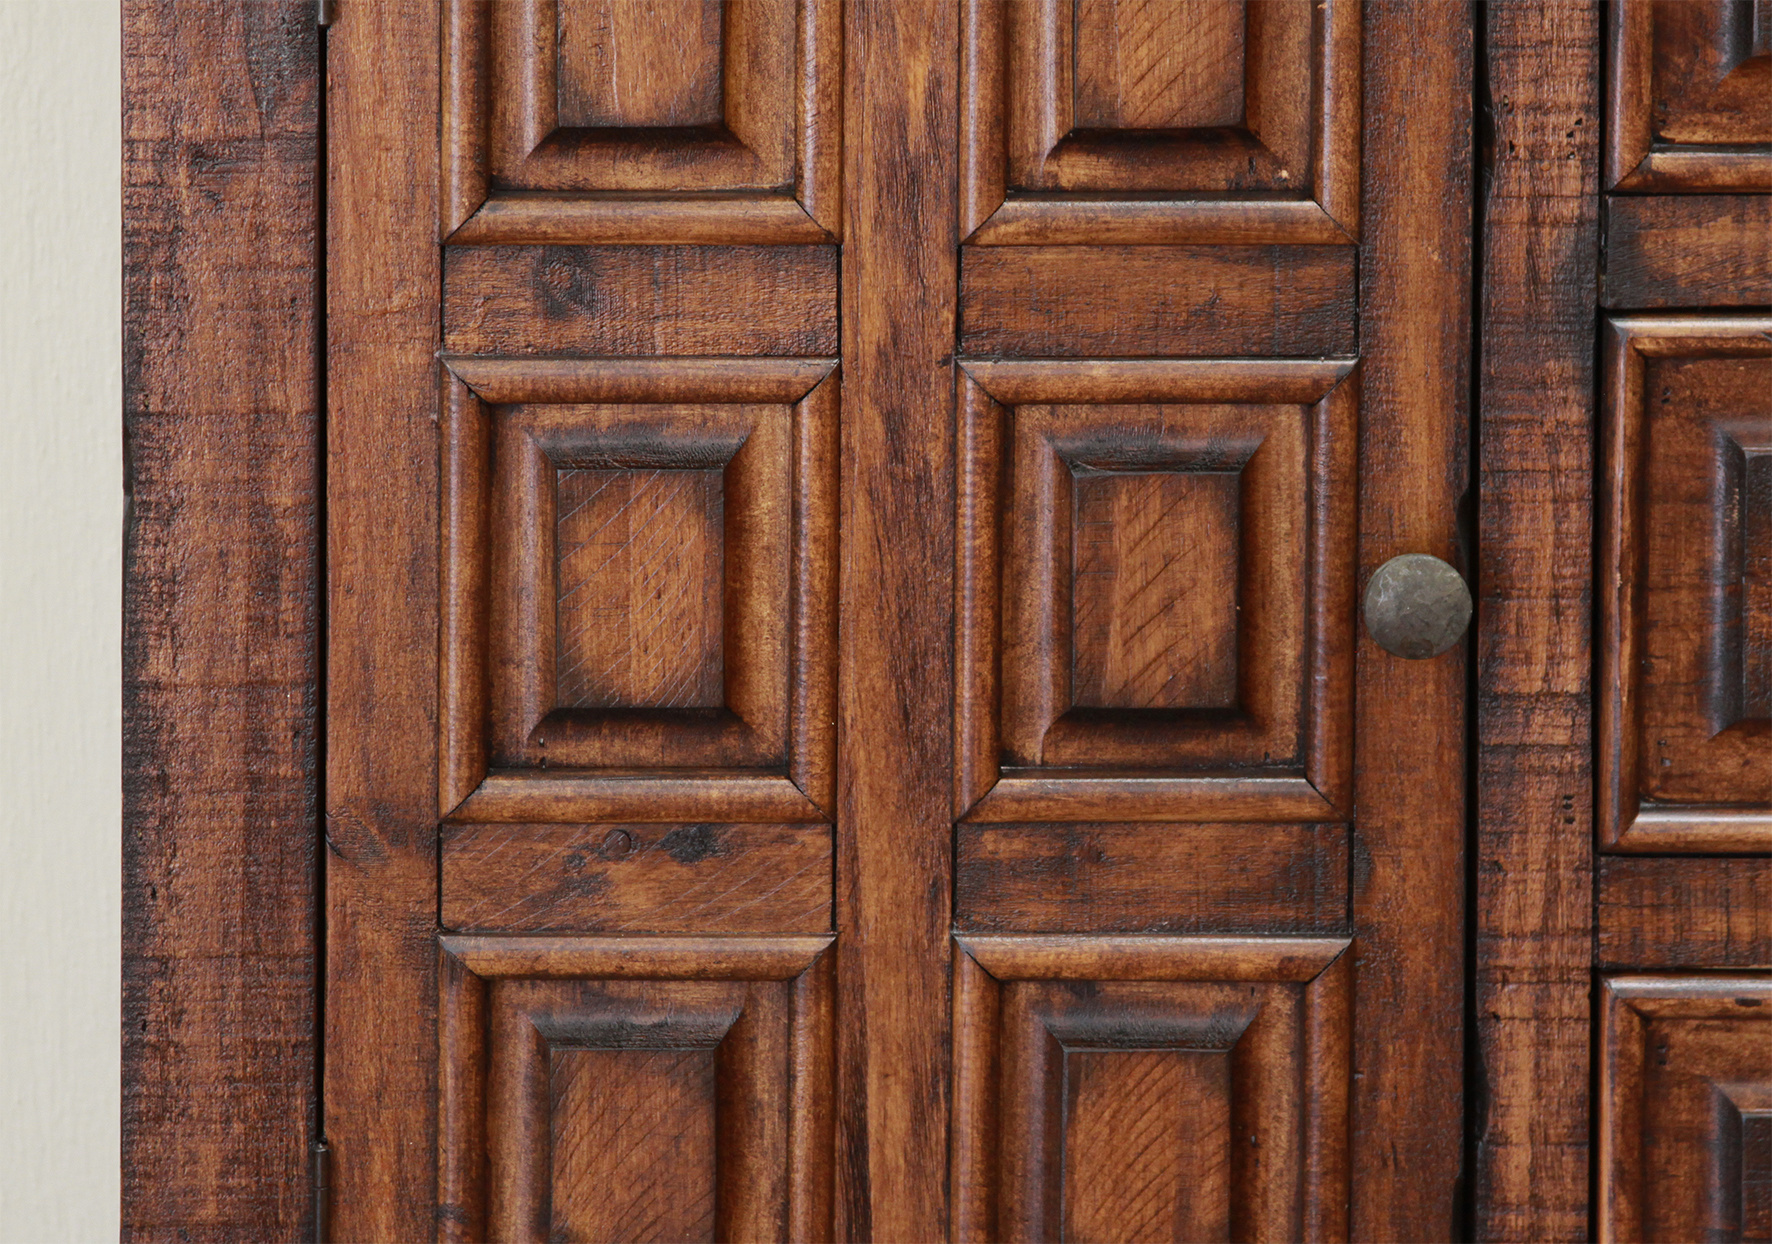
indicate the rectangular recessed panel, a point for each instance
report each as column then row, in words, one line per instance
column 637, row 63
column 1154, row 590
column 1158, row 64
column 638, row 575
column 633, row 1145
column 1147, row 1146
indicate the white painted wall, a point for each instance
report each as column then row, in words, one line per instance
column 61, row 516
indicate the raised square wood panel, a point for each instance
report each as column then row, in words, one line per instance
column 619, row 120
column 1164, row 553
column 1150, row 1088
column 1689, row 84
column 636, row 560
column 1685, row 739
column 1685, row 1127
column 664, row 1089
column 1189, row 120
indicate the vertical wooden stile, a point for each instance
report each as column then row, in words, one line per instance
column 895, row 625
column 1408, row 894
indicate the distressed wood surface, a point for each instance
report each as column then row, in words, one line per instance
column 895, row 666
column 1151, row 878
column 1534, row 851
column 221, row 611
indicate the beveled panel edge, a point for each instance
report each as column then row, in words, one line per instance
column 1151, row 797
column 1152, row 957
column 542, row 217
column 648, row 797
column 636, row 958
column 555, row 380
column 1707, row 829
column 1080, row 220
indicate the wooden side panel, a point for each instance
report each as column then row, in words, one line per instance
column 1534, row 789
column 383, row 293
column 633, row 1090
column 1685, row 1095
column 1197, row 1090
column 221, row 610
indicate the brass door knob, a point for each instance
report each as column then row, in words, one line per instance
column 1417, row 606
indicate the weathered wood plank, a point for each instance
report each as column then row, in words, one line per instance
column 1534, row 858
column 220, row 618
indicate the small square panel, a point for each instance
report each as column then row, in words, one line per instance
column 1685, row 739
column 1156, row 590
column 635, row 582
column 638, row 564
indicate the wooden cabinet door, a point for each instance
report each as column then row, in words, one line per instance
column 847, row 708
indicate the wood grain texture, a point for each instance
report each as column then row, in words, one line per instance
column 384, row 394
column 1142, row 66
column 640, row 300
column 1151, row 879
column 1534, row 787
column 1687, row 251
column 221, row 612
column 1264, row 671
column 1683, row 914
column 1679, row 765
column 637, row 878
column 895, row 679
column 1065, row 302
column 1686, row 98
column 638, row 566
column 623, row 63
column 627, row 122
column 1154, row 589
column 1110, row 122
column 1409, row 881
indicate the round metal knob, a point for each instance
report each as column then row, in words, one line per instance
column 1417, row 606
